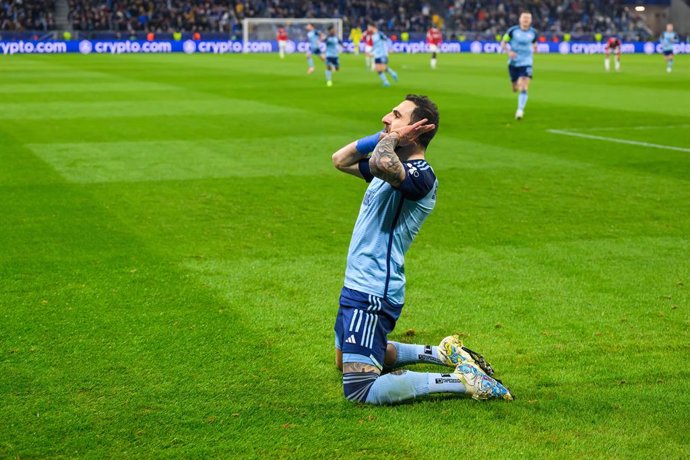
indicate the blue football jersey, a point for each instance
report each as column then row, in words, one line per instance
column 389, row 219
column 668, row 39
column 314, row 38
column 332, row 43
column 379, row 45
column 521, row 42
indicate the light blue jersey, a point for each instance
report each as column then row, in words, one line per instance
column 521, row 42
column 667, row 40
column 332, row 43
column 314, row 38
column 389, row 219
column 379, row 45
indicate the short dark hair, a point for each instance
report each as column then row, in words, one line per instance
column 424, row 108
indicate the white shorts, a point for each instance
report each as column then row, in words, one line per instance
column 433, row 48
column 368, row 49
column 282, row 43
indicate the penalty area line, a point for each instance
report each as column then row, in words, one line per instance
column 618, row 141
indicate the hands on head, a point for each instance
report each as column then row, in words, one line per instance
column 408, row 134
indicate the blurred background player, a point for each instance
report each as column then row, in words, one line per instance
column 668, row 39
column 380, row 45
column 368, row 50
column 333, row 44
column 282, row 38
column 356, row 37
column 434, row 39
column 521, row 43
column 314, row 37
column 613, row 45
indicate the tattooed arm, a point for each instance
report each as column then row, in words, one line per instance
column 384, row 162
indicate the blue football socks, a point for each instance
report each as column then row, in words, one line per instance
column 383, row 78
column 392, row 73
column 401, row 386
column 522, row 100
column 411, row 353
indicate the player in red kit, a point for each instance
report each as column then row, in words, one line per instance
column 613, row 45
column 282, row 38
column 434, row 39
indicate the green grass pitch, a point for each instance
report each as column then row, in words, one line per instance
column 173, row 240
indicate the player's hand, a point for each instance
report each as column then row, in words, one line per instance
column 408, row 134
column 512, row 54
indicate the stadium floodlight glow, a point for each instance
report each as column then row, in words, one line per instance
column 264, row 29
column 639, row 8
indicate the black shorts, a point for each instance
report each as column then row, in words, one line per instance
column 519, row 71
column 333, row 62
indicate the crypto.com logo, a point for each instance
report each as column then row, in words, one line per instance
column 85, row 47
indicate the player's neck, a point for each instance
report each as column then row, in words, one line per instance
column 413, row 152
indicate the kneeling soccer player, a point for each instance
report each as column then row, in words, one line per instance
column 401, row 194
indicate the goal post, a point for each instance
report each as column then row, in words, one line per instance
column 265, row 29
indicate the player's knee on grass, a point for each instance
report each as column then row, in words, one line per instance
column 372, row 388
column 358, row 378
column 357, row 385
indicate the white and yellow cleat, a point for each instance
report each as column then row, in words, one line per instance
column 479, row 385
column 452, row 352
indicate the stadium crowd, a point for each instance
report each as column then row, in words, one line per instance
column 454, row 17
column 17, row 15
column 549, row 16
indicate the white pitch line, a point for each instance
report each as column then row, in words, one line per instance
column 625, row 128
column 619, row 141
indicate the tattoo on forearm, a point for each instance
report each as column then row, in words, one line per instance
column 384, row 162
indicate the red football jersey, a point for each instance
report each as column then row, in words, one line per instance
column 434, row 37
column 282, row 35
column 613, row 43
column 367, row 38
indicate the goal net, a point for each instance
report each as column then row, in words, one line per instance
column 265, row 29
